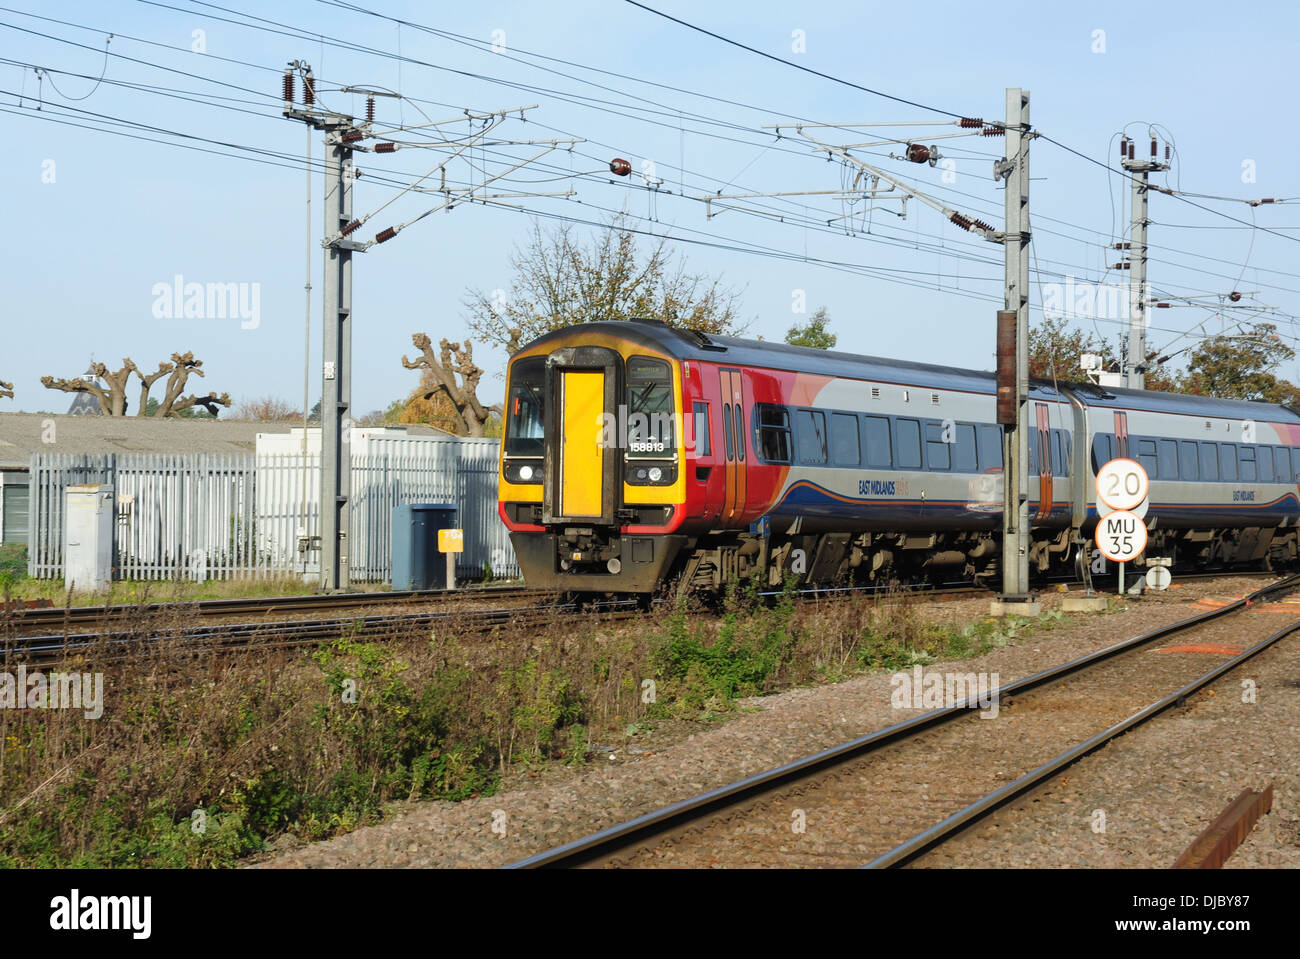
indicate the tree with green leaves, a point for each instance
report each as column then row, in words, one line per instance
column 813, row 334
column 1241, row 366
column 560, row 281
column 1055, row 349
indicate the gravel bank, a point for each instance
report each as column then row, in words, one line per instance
column 556, row 804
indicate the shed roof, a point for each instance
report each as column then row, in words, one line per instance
column 22, row 434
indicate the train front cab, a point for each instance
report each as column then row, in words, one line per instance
column 593, row 466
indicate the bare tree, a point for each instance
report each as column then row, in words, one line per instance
column 267, row 409
column 112, row 397
column 6, row 390
column 147, row 381
column 172, row 402
column 560, row 282
column 453, row 360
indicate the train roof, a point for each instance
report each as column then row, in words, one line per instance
column 709, row 348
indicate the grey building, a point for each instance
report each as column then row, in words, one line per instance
column 22, row 434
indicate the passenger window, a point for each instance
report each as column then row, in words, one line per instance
column 1247, row 454
column 908, row 436
column 878, row 445
column 1228, row 462
column 1295, row 466
column 1059, row 461
column 1209, row 461
column 1100, row 451
column 1187, row 461
column 963, row 451
column 703, row 446
column 1167, row 460
column 936, row 450
column 990, row 440
column 1264, row 462
column 810, row 436
column 774, row 433
column 1033, row 452
column 1147, row 457
column 740, row 433
column 846, row 443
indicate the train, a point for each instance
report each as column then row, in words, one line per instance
column 640, row 458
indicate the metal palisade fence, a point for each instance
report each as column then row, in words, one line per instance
column 215, row 516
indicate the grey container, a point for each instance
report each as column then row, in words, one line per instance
column 417, row 564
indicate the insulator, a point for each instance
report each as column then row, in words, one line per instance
column 288, row 87
column 1166, row 152
column 917, row 153
column 385, row 147
column 992, row 132
column 384, row 235
column 354, row 225
column 1130, row 151
column 370, row 109
column 970, row 123
column 352, row 137
column 1153, row 148
column 1123, row 147
column 1234, row 296
column 981, row 225
column 308, row 89
column 1123, row 246
column 619, row 167
column 961, row 221
column 1163, row 306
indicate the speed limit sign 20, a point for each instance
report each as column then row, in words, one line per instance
column 1122, row 484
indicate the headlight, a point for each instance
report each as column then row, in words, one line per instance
column 656, row 474
column 525, row 473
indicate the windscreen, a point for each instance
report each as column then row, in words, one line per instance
column 526, row 407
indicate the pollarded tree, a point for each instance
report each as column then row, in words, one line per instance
column 559, row 281
column 6, row 390
column 438, row 379
column 111, row 393
column 184, row 365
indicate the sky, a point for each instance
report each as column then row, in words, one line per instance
column 102, row 225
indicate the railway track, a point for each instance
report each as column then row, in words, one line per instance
column 50, row 618
column 276, row 633
column 880, row 800
column 109, row 645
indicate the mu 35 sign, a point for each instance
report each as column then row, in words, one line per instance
column 1122, row 490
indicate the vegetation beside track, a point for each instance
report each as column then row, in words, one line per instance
column 203, row 757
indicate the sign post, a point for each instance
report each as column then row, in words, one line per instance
column 1122, row 488
column 451, row 542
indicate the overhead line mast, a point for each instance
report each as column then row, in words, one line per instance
column 343, row 136
column 1135, row 364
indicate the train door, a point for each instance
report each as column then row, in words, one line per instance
column 733, row 439
column 581, row 461
column 1044, row 461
